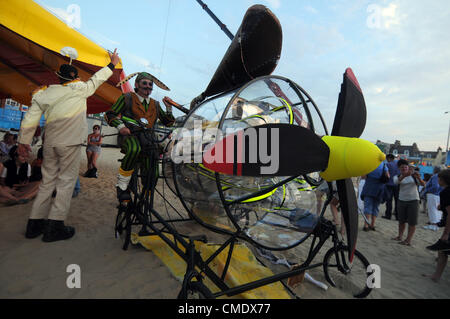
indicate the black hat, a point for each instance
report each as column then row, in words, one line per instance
column 67, row 72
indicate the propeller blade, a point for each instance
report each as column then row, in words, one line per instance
column 268, row 150
column 349, row 209
column 351, row 113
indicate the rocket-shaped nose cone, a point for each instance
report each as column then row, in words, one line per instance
column 350, row 157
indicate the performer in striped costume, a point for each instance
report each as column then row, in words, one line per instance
column 129, row 108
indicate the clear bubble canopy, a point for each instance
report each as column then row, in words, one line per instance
column 272, row 212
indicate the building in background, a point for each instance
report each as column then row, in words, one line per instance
column 12, row 113
column 425, row 160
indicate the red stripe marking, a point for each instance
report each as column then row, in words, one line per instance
column 351, row 76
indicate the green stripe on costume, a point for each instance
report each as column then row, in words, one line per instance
column 129, row 119
column 132, row 149
column 115, row 123
column 119, row 105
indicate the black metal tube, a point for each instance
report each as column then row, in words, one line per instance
column 213, row 16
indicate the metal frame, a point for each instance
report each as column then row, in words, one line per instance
column 150, row 218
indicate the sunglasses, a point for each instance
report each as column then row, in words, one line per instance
column 149, row 83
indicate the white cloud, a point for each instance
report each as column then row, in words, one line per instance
column 71, row 15
column 311, row 9
column 142, row 63
column 274, row 3
column 103, row 40
column 414, row 70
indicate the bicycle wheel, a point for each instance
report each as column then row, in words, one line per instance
column 126, row 217
column 196, row 290
column 351, row 278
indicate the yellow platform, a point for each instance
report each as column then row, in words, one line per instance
column 243, row 267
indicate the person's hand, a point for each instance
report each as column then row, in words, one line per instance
column 125, row 131
column 114, row 57
column 24, row 150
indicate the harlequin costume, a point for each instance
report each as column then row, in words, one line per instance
column 129, row 108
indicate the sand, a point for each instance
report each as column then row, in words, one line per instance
column 34, row 269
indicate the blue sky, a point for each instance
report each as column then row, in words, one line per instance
column 398, row 49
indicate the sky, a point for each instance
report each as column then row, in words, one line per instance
column 399, row 51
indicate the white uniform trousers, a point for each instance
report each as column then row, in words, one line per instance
column 60, row 168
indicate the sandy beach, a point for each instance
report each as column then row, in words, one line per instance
column 34, row 269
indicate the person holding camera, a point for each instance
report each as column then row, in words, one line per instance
column 408, row 200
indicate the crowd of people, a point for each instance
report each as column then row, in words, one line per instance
column 52, row 178
column 400, row 186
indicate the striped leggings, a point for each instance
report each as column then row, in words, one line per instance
column 132, row 149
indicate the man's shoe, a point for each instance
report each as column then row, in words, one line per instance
column 439, row 245
column 35, row 227
column 385, row 217
column 56, row 230
column 123, row 195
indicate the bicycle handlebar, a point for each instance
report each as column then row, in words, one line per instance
column 140, row 127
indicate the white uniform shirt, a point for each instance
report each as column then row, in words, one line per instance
column 64, row 108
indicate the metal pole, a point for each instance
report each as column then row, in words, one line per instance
column 221, row 25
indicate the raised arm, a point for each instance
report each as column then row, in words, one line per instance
column 89, row 87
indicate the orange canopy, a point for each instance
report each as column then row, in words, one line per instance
column 30, row 41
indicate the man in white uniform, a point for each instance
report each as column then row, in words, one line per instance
column 64, row 108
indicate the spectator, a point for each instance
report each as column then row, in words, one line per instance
column 65, row 104
column 423, row 197
column 431, row 191
column 15, row 176
column 6, row 193
column 408, row 201
column 372, row 195
column 77, row 188
column 443, row 244
column 36, row 173
column 323, row 189
column 5, row 147
column 391, row 190
column 362, row 181
column 93, row 149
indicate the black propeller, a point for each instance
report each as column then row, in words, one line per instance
column 349, row 121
